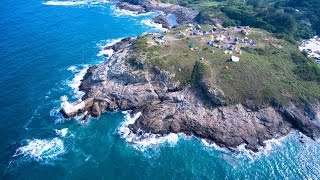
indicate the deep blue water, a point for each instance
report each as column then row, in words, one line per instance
column 42, row 48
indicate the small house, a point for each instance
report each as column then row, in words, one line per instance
column 234, row 59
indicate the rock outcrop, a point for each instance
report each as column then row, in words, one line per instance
column 131, row 7
column 117, row 84
column 308, row 121
column 162, row 19
column 183, row 14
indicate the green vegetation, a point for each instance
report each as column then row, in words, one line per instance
column 140, row 44
column 288, row 19
column 273, row 71
column 199, row 71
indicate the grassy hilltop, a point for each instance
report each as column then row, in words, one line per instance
column 272, row 71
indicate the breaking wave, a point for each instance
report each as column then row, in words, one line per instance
column 270, row 146
column 62, row 132
column 64, row 3
column 41, row 149
column 150, row 23
column 76, row 81
column 74, row 84
column 122, row 12
column 141, row 140
column 213, row 145
column 73, row 3
column 107, row 52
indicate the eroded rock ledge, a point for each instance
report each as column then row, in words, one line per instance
column 118, row 84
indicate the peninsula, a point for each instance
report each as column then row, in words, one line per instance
column 230, row 85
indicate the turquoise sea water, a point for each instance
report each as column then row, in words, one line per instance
column 43, row 49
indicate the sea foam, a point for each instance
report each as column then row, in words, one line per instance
column 41, row 149
column 142, row 140
column 107, row 52
column 76, row 81
column 62, row 132
column 64, row 3
column 270, row 146
column 122, row 12
column 74, row 84
column 73, row 3
column 213, row 145
column 150, row 23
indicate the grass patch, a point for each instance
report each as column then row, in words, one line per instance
column 273, row 71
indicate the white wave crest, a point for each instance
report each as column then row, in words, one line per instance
column 72, row 68
column 122, row 12
column 38, row 149
column 64, row 3
column 62, row 132
column 150, row 23
column 108, row 43
column 270, row 145
column 55, row 113
column 107, row 52
column 141, row 140
column 79, row 71
column 213, row 145
column 76, row 81
column 73, row 3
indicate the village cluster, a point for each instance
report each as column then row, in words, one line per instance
column 229, row 40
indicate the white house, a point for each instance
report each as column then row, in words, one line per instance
column 234, row 59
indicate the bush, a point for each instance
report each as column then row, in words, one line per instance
column 140, row 44
column 306, row 68
column 199, row 71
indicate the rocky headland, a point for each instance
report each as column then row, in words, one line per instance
column 121, row 83
column 183, row 14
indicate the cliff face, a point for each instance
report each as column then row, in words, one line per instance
column 122, row 84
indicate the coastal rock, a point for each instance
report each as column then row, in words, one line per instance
column 120, row 45
column 96, row 110
column 162, row 19
column 131, row 7
column 228, row 126
column 167, row 108
column 69, row 110
column 183, row 14
column 215, row 95
column 204, row 18
column 307, row 122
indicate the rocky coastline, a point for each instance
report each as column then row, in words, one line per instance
column 183, row 14
column 120, row 83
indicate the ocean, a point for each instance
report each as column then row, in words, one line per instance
column 45, row 49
